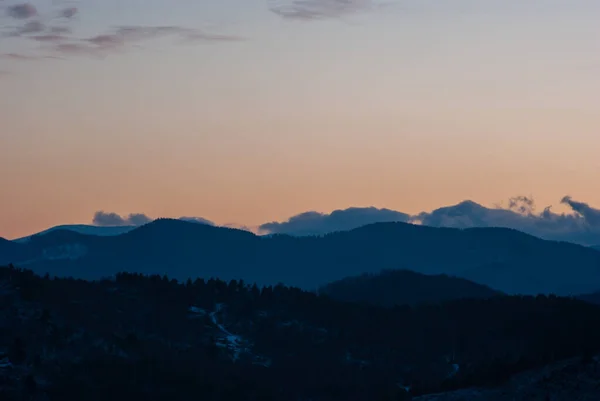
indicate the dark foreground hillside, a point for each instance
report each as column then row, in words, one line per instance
column 150, row 338
column 399, row 287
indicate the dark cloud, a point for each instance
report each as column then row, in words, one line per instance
column 315, row 223
column 22, row 11
column 199, row 220
column 32, row 27
column 69, row 12
column 28, row 28
column 317, row 9
column 591, row 215
column 118, row 39
column 582, row 226
column 113, row 219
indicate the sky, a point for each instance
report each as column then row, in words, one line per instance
column 251, row 111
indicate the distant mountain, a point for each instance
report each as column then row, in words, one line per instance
column 504, row 259
column 83, row 229
column 399, row 287
column 10, row 250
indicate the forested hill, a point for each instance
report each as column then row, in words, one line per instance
column 505, row 260
column 140, row 337
column 399, row 287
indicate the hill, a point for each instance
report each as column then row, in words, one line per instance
column 400, row 287
column 139, row 337
column 82, row 229
column 504, row 259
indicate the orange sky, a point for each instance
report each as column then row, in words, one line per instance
column 409, row 111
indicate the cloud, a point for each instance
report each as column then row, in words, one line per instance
column 60, row 30
column 18, row 57
column 24, row 57
column 32, row 27
column 102, row 218
column 582, row 226
column 52, row 38
column 22, row 11
column 27, row 28
column 120, row 37
column 199, row 220
column 69, row 12
column 64, row 41
column 318, row 9
column 240, row 227
column 591, row 215
column 315, row 223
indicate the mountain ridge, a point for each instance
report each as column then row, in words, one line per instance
column 502, row 258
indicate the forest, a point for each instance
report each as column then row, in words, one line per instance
column 154, row 338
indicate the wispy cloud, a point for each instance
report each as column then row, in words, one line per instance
column 318, row 9
column 121, row 37
column 51, row 38
column 63, row 40
column 18, row 57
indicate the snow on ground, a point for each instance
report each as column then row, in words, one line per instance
column 234, row 343
column 5, row 363
column 197, row 312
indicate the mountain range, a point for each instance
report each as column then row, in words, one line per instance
column 503, row 259
column 82, row 229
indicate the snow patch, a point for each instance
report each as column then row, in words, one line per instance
column 454, row 370
column 196, row 312
column 230, row 341
column 234, row 343
column 5, row 363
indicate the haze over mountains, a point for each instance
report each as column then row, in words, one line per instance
column 504, row 259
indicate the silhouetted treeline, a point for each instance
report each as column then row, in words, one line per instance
column 153, row 338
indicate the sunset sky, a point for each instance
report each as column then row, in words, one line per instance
column 247, row 111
